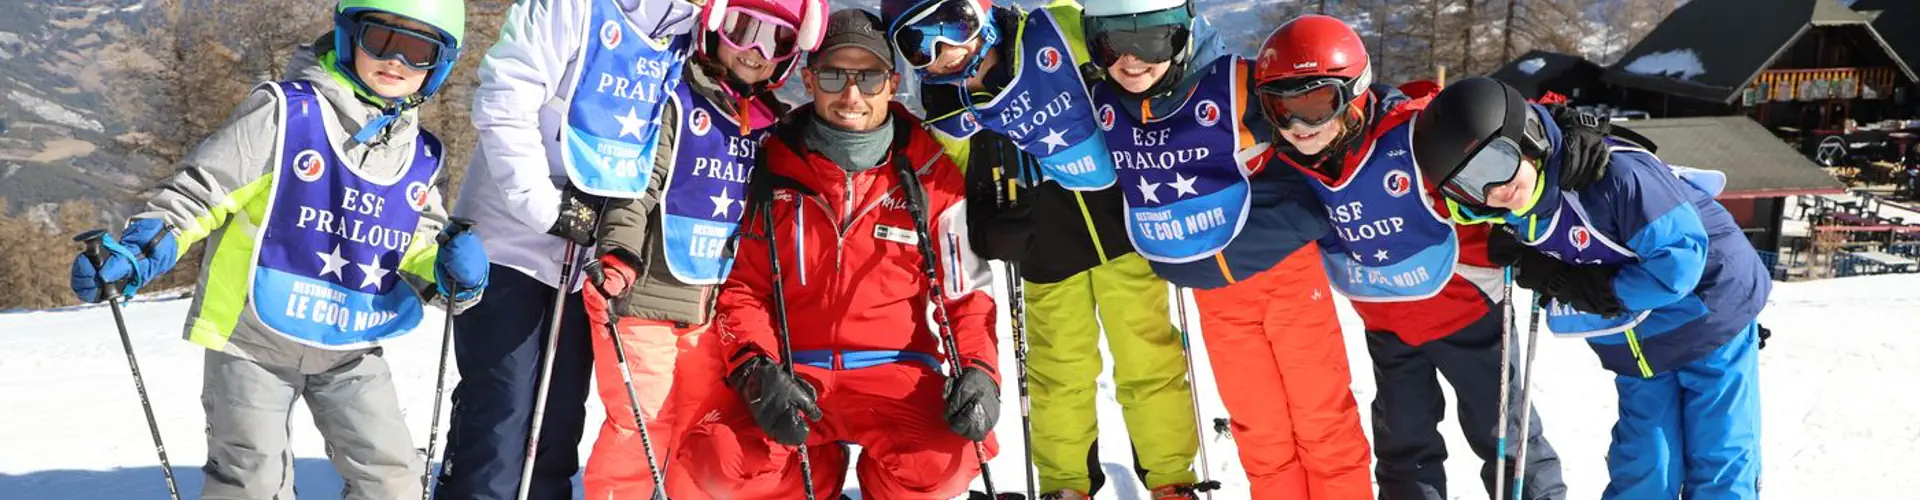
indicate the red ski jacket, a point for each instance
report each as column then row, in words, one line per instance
column 851, row 266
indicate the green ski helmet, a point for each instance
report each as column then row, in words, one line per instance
column 1103, row 16
column 448, row 17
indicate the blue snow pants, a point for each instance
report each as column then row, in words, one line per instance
column 1694, row 431
column 497, row 346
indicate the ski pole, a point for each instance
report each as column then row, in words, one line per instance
column 440, row 379
column 780, row 315
column 567, row 270
column 917, row 208
column 96, row 255
column 639, row 421
column 1526, row 394
column 1207, row 484
column 1501, row 476
column 1018, row 313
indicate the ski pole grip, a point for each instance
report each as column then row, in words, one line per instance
column 96, row 251
column 455, row 226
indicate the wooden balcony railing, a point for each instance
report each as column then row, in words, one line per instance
column 1820, row 84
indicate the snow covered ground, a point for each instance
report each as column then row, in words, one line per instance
column 1840, row 417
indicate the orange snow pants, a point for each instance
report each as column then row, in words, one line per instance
column 1281, row 366
column 672, row 372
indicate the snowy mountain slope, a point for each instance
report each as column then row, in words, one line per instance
column 1839, row 416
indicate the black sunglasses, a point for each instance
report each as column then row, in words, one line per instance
column 834, row 80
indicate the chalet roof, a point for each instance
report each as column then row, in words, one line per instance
column 1757, row 164
column 1530, row 72
column 1711, row 49
column 1896, row 22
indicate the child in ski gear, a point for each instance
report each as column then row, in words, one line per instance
column 1191, row 153
column 568, row 112
column 662, row 255
column 1003, row 92
column 850, row 197
column 1638, row 259
column 1425, row 288
column 320, row 200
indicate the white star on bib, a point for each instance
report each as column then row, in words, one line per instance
column 1147, row 190
column 331, row 262
column 373, row 272
column 1055, row 139
column 1183, row 185
column 721, row 203
column 630, row 124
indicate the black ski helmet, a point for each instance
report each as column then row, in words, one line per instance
column 1467, row 116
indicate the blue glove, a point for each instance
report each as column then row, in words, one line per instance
column 460, row 269
column 145, row 250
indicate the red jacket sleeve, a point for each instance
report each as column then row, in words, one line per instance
column 964, row 278
column 743, row 316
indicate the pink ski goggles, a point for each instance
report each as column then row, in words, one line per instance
column 746, row 29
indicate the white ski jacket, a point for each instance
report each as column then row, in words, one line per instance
column 513, row 185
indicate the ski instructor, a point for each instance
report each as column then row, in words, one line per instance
column 1003, row 92
column 568, row 112
column 857, row 236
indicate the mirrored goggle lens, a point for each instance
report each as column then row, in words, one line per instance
column 1496, row 163
column 744, row 29
column 1313, row 104
column 386, row 42
column 950, row 22
column 1152, row 45
column 834, row 81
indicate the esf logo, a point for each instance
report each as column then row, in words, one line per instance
column 1207, row 113
column 700, row 121
column 969, row 122
column 610, row 35
column 1580, row 237
column 417, row 196
column 308, row 166
column 1106, row 117
column 1050, row 59
column 1398, row 183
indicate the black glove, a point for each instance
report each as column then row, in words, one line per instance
column 1583, row 145
column 1588, row 288
column 1504, row 248
column 776, row 399
column 579, row 219
column 973, row 406
column 1009, row 234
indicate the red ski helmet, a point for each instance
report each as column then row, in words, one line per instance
column 1312, row 56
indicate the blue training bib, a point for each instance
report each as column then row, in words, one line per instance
column 1388, row 243
column 706, row 191
column 612, row 123
column 1186, row 190
column 1045, row 111
column 326, row 265
column 1569, row 236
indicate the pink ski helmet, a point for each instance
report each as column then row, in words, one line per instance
column 806, row 18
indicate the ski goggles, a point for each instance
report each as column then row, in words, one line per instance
column 387, row 42
column 746, row 29
column 1313, row 103
column 834, row 81
column 1154, row 37
column 923, row 29
column 1496, row 163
